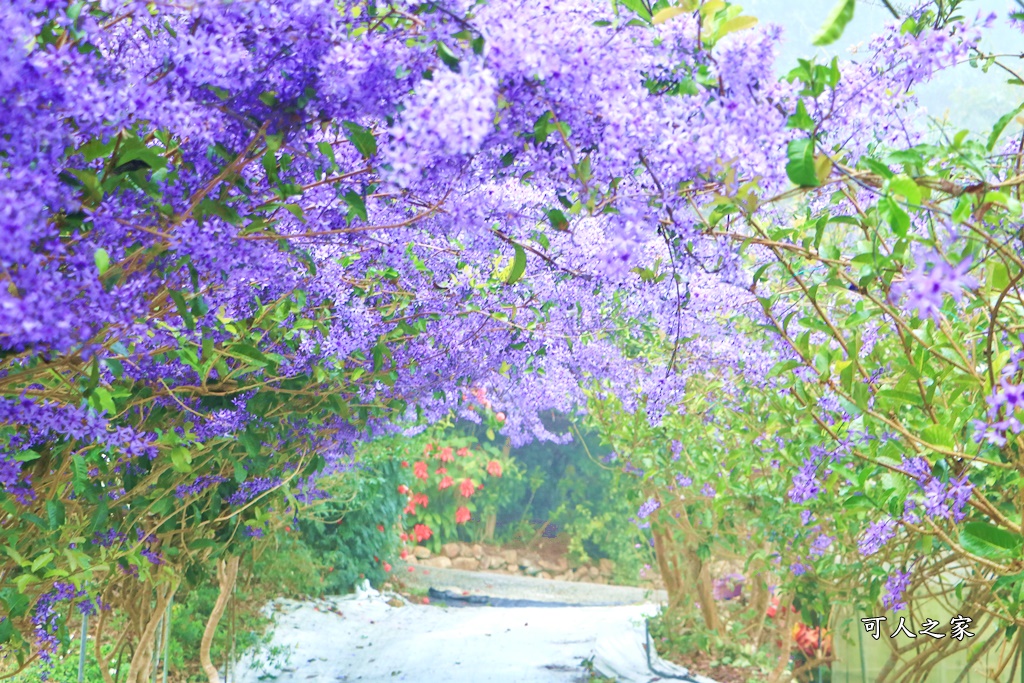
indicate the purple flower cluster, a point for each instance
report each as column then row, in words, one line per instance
column 647, row 508
column 250, row 488
column 895, row 586
column 876, row 536
column 201, row 483
column 806, row 484
column 46, row 619
column 940, row 500
column 926, row 286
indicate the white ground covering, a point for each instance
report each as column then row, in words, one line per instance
column 363, row 638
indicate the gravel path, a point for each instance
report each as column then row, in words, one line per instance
column 498, row 585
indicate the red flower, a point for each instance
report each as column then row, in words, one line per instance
column 410, row 509
column 422, row 532
column 387, row 567
column 403, row 536
column 446, row 454
column 466, row 488
column 402, row 488
column 441, row 470
column 445, row 483
column 405, row 463
column 427, row 449
column 462, row 515
column 404, row 554
column 500, row 417
column 420, row 499
column 462, row 452
column 494, row 468
column 380, row 528
column 419, row 470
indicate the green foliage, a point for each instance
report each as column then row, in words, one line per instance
column 354, row 534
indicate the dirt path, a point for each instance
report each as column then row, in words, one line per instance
column 374, row 637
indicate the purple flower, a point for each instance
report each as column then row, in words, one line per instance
column 917, row 467
column 895, row 586
column 649, row 506
column 820, row 544
column 728, row 587
column 799, row 569
column 935, row 498
column 876, row 536
column 708, row 490
column 925, row 286
column 683, row 480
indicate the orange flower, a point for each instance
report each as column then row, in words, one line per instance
column 466, row 488
column 422, row 532
column 462, row 452
column 494, row 468
column 462, row 515
column 446, row 454
column 445, row 483
column 419, row 470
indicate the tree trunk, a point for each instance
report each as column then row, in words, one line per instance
column 142, row 658
column 227, row 573
column 786, row 638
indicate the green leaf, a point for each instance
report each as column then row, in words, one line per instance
column 42, row 561
column 518, row 265
column 800, row 167
column 6, row 630
column 663, row 15
column 250, row 354
column 102, row 260
column 836, row 21
column 79, row 473
column 55, row 513
column 558, row 219
column 356, row 205
column 800, row 120
column 735, row 24
column 876, row 166
column 906, row 187
column 183, row 311
column 1000, row 126
column 181, row 459
column 939, row 435
column 989, row 541
column 362, row 138
column 328, row 151
column 962, row 210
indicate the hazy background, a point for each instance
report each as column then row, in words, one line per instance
column 968, row 97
